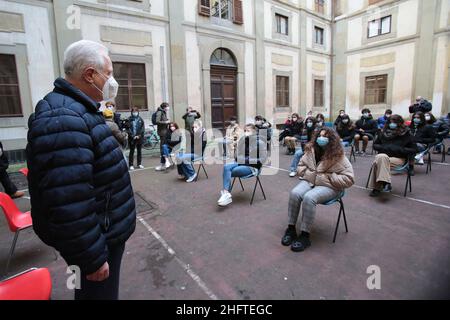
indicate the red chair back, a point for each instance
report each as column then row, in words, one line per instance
column 24, row 171
column 10, row 210
column 34, row 284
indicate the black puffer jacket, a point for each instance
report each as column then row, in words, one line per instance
column 81, row 196
column 369, row 125
column 294, row 128
column 346, row 132
column 398, row 143
column 424, row 134
column 4, row 163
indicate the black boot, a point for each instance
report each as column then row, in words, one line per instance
column 289, row 236
column 301, row 242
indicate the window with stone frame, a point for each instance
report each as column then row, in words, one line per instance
column 282, row 91
column 318, row 35
column 10, row 104
column 379, row 27
column 282, row 24
column 375, row 91
column 320, row 6
column 318, row 93
column 132, row 85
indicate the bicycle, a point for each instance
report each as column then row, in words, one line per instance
column 151, row 139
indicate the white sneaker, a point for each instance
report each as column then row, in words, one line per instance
column 168, row 164
column 160, row 168
column 420, row 161
column 141, row 166
column 131, row 168
column 191, row 179
column 222, row 196
column 225, row 199
column 292, row 174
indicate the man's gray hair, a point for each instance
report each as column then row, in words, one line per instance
column 82, row 54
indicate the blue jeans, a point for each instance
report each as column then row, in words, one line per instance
column 234, row 170
column 165, row 152
column 297, row 156
column 186, row 166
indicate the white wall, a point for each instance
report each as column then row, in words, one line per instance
column 193, row 70
column 90, row 29
column 250, row 93
column 402, row 82
column 441, row 75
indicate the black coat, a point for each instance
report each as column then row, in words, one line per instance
column 398, row 145
column 367, row 124
column 294, row 128
column 4, row 163
column 347, row 133
column 424, row 107
column 423, row 134
column 82, row 200
column 251, row 151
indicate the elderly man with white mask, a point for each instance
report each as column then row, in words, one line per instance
column 81, row 194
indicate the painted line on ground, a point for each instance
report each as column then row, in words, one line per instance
column 393, row 194
column 184, row 265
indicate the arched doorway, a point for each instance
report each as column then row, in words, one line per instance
column 223, row 88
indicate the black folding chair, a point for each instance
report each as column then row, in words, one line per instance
column 399, row 169
column 341, row 212
column 201, row 162
column 257, row 182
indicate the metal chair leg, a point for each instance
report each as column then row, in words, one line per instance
column 368, row 178
column 232, row 184
column 428, row 163
column 406, row 185
column 254, row 190
column 337, row 225
column 11, row 251
column 409, row 178
column 343, row 214
column 204, row 170
column 260, row 185
column 242, row 186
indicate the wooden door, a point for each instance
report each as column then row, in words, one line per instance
column 223, row 96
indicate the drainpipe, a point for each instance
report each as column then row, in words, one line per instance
column 332, row 58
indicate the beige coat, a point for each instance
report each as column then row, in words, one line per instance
column 338, row 175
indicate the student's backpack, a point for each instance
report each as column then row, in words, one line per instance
column 154, row 118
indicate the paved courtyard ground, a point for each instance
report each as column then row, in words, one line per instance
column 185, row 247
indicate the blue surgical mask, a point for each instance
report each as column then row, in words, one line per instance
column 417, row 121
column 393, row 125
column 322, row 141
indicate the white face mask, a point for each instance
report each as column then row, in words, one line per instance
column 195, row 129
column 135, row 114
column 247, row 133
column 110, row 88
column 427, row 117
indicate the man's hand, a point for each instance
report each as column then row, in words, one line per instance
column 101, row 274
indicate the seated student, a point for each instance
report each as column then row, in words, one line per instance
column 324, row 172
column 294, row 132
column 232, row 135
column 320, row 120
column 307, row 132
column 9, row 187
column 346, row 130
column 262, row 124
column 250, row 156
column 382, row 120
column 365, row 130
column 395, row 145
column 424, row 135
column 195, row 144
column 339, row 118
column 440, row 127
column 171, row 141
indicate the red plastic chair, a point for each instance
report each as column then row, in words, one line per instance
column 24, row 171
column 33, row 284
column 17, row 221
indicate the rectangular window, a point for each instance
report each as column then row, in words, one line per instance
column 132, row 85
column 282, row 90
column 10, row 105
column 282, row 24
column 318, row 93
column 379, row 27
column 222, row 9
column 320, row 6
column 375, row 89
column 318, row 35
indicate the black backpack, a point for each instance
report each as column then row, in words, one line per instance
column 154, row 118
